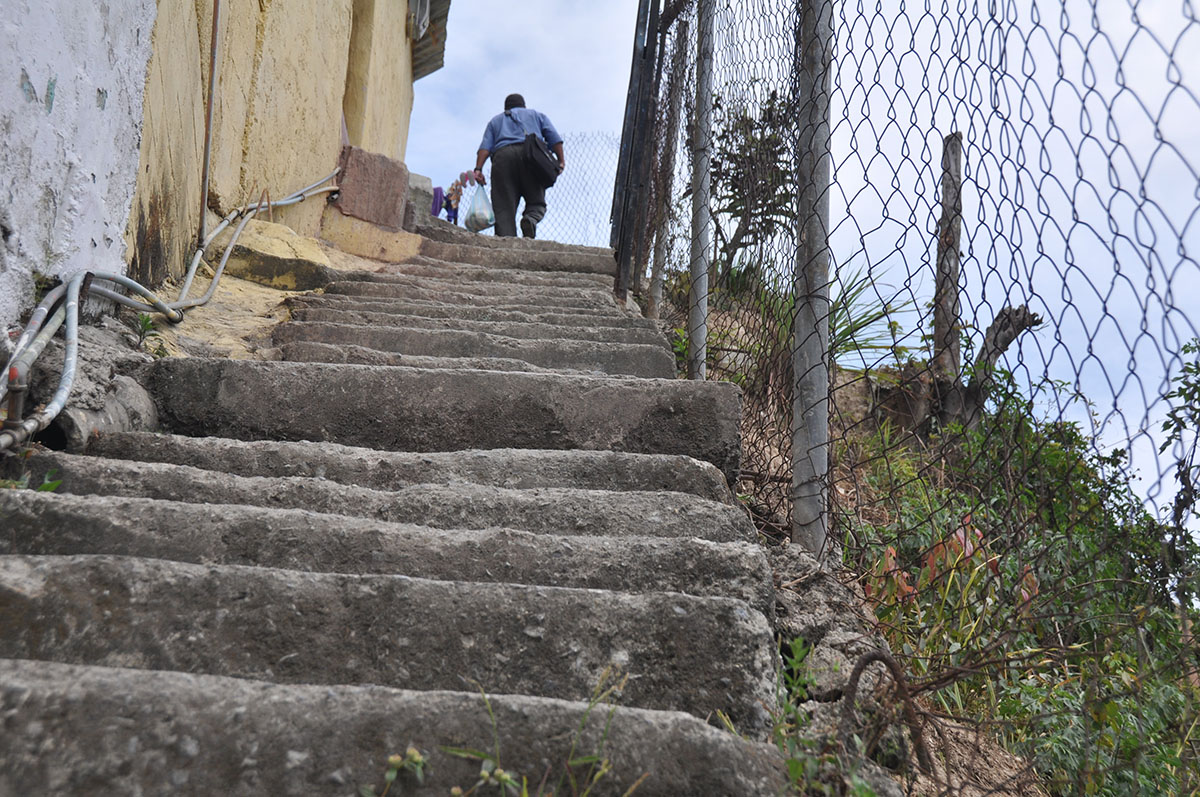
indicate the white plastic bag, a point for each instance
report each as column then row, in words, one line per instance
column 479, row 215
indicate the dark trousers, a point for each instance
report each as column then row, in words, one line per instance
column 512, row 182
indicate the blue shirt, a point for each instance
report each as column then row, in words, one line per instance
column 513, row 125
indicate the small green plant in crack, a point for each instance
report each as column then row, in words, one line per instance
column 579, row 776
column 25, row 481
column 145, row 329
column 412, row 762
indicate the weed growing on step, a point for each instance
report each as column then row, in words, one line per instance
column 579, row 775
column 815, row 766
column 24, row 481
column 147, row 330
column 412, row 762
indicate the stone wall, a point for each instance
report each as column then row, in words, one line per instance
column 72, row 77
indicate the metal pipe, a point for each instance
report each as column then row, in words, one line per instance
column 810, row 353
column 291, row 199
column 18, row 366
column 49, row 301
column 40, row 329
column 212, row 286
column 620, row 186
column 697, row 353
column 155, row 303
column 208, row 117
column 22, row 431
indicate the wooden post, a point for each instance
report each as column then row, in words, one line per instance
column 947, row 357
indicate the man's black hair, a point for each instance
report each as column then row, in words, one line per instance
column 514, row 101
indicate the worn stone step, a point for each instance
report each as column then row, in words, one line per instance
column 42, row 524
column 411, row 409
column 289, row 626
column 98, row 730
column 375, row 280
column 421, row 266
column 508, row 329
column 515, row 253
column 517, row 469
column 310, row 352
column 517, row 313
column 550, row 510
column 564, row 299
column 652, row 361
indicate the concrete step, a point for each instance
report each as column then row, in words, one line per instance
column 518, row 469
column 515, row 253
column 319, row 628
column 515, row 313
column 508, row 329
column 421, row 266
column 308, row 352
column 652, row 361
column 375, row 280
column 549, row 510
column 565, row 299
column 44, row 524
column 99, row 730
column 411, row 409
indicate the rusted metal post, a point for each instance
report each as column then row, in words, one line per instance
column 810, row 354
column 213, row 52
column 666, row 181
column 701, row 251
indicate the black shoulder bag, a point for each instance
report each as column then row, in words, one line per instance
column 540, row 160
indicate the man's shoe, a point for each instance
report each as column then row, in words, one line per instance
column 529, row 228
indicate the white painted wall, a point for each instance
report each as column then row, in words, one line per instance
column 72, row 76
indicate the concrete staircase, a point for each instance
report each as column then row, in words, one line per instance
column 468, row 475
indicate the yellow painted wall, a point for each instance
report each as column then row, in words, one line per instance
column 379, row 93
column 288, row 69
column 165, row 214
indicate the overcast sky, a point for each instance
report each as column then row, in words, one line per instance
column 569, row 58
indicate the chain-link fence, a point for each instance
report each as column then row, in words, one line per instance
column 949, row 251
column 579, row 203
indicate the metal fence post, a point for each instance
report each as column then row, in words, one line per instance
column 666, row 167
column 810, row 354
column 633, row 138
column 701, row 188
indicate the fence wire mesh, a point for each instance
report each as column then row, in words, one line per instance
column 1013, row 391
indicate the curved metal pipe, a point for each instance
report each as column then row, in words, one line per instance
column 27, row 428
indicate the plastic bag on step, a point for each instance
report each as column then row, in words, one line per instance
column 479, row 214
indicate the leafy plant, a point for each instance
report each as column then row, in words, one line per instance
column 581, row 772
column 413, row 761
column 145, row 329
column 24, row 482
column 1024, row 582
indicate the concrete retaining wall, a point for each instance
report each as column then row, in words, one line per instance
column 71, row 92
